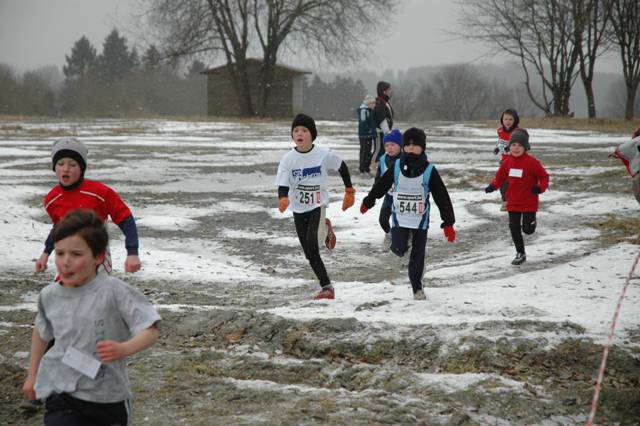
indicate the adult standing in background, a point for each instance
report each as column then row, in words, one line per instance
column 384, row 117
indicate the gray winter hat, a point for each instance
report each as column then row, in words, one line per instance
column 520, row 136
column 72, row 148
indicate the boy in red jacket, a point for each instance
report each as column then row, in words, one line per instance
column 73, row 192
column 527, row 179
column 509, row 121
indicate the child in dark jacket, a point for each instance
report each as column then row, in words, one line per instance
column 392, row 149
column 527, row 179
column 412, row 179
column 366, row 133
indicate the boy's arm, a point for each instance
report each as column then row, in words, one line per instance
column 344, row 174
column 500, row 177
column 543, row 177
column 379, row 189
column 41, row 263
column 131, row 243
column 110, row 350
column 442, row 199
column 38, row 348
column 283, row 198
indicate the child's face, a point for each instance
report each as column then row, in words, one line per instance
column 516, row 150
column 371, row 104
column 68, row 171
column 412, row 149
column 507, row 120
column 392, row 149
column 302, row 138
column 75, row 261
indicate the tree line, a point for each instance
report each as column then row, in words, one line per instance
column 113, row 83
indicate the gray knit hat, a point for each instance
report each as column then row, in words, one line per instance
column 520, row 136
column 72, row 148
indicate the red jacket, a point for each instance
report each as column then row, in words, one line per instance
column 523, row 173
column 91, row 195
column 503, row 141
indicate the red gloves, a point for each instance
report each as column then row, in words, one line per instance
column 283, row 203
column 363, row 209
column 450, row 233
column 349, row 198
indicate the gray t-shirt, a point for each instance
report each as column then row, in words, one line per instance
column 104, row 309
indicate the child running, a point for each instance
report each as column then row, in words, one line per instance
column 509, row 121
column 412, row 179
column 97, row 321
column 69, row 161
column 527, row 180
column 392, row 149
column 303, row 174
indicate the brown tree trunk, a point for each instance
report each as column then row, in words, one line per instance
column 591, row 99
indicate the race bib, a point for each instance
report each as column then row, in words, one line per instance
column 410, row 204
column 515, row 173
column 81, row 362
column 308, row 194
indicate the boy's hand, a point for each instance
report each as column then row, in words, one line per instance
column 496, row 150
column 109, row 351
column 28, row 388
column 349, row 198
column 450, row 233
column 132, row 263
column 489, row 188
column 363, row 208
column 41, row 263
column 283, row 203
column 536, row 190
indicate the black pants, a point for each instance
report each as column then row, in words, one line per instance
column 366, row 146
column 385, row 213
column 65, row 410
column 307, row 229
column 399, row 245
column 521, row 221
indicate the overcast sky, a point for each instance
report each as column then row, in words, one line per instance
column 35, row 33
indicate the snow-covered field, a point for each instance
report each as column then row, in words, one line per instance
column 213, row 243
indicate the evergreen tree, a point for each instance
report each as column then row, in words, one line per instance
column 82, row 59
column 151, row 58
column 115, row 60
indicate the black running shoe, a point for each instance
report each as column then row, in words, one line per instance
column 519, row 259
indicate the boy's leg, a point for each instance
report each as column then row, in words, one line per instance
column 385, row 213
column 416, row 258
column 368, row 153
column 529, row 222
column 307, row 230
column 515, row 226
column 399, row 240
column 363, row 156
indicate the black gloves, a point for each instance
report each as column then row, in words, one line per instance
column 536, row 190
column 496, row 150
column 489, row 188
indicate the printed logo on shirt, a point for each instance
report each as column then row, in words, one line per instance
column 306, row 173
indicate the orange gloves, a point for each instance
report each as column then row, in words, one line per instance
column 349, row 198
column 450, row 233
column 283, row 203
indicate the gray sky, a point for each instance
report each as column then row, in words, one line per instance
column 36, row 33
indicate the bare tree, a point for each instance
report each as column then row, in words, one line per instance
column 456, row 93
column 625, row 18
column 541, row 33
column 593, row 19
column 335, row 29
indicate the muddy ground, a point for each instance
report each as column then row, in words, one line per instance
column 232, row 363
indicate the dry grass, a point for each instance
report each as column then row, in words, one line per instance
column 618, row 229
column 604, row 125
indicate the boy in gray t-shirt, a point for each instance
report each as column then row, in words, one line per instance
column 97, row 321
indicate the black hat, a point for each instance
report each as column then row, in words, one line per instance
column 306, row 121
column 381, row 87
column 520, row 136
column 415, row 136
